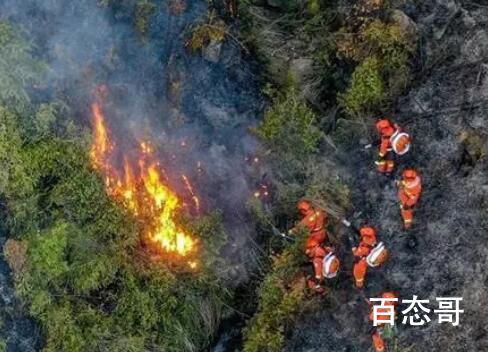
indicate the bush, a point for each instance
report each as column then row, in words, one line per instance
column 313, row 7
column 290, row 126
column 382, row 51
column 366, row 90
column 211, row 30
column 144, row 10
column 17, row 68
column 281, row 297
column 16, row 255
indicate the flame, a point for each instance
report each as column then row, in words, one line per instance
column 101, row 145
column 189, row 187
column 141, row 189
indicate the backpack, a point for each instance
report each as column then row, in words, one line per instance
column 330, row 266
column 400, row 142
column 377, row 256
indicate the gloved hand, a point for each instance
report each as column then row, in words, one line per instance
column 346, row 223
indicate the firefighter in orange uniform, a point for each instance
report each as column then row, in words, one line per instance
column 314, row 220
column 367, row 242
column 379, row 344
column 325, row 264
column 392, row 141
column 409, row 190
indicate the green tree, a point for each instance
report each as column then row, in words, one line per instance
column 17, row 67
column 290, row 126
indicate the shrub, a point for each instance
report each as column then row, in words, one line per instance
column 17, row 68
column 382, row 51
column 366, row 90
column 211, row 30
column 280, row 299
column 144, row 10
column 313, row 7
column 290, row 126
column 16, row 255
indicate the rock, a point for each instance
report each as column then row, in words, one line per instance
column 468, row 20
column 451, row 5
column 476, row 48
column 301, row 69
column 212, row 51
column 405, row 22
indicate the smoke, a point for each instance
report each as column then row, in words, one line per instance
column 196, row 112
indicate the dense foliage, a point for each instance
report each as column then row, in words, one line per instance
column 281, row 297
column 17, row 67
column 381, row 50
column 290, row 126
column 76, row 257
column 144, row 10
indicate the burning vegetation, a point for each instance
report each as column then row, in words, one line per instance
column 140, row 185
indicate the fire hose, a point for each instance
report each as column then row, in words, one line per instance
column 277, row 232
column 351, row 239
column 345, row 222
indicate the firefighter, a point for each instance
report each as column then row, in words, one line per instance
column 325, row 264
column 367, row 241
column 314, row 220
column 409, row 190
column 379, row 344
column 392, row 141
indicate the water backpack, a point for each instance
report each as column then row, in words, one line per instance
column 377, row 256
column 400, row 142
column 330, row 266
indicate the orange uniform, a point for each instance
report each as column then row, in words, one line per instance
column 409, row 190
column 379, row 344
column 314, row 220
column 386, row 157
column 366, row 244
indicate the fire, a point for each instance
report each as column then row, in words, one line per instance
column 101, row 146
column 189, row 187
column 141, row 188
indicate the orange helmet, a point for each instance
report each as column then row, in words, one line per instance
column 409, row 174
column 368, row 234
column 383, row 124
column 367, row 231
column 390, row 295
column 304, row 206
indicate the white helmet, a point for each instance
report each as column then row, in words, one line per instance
column 330, row 266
